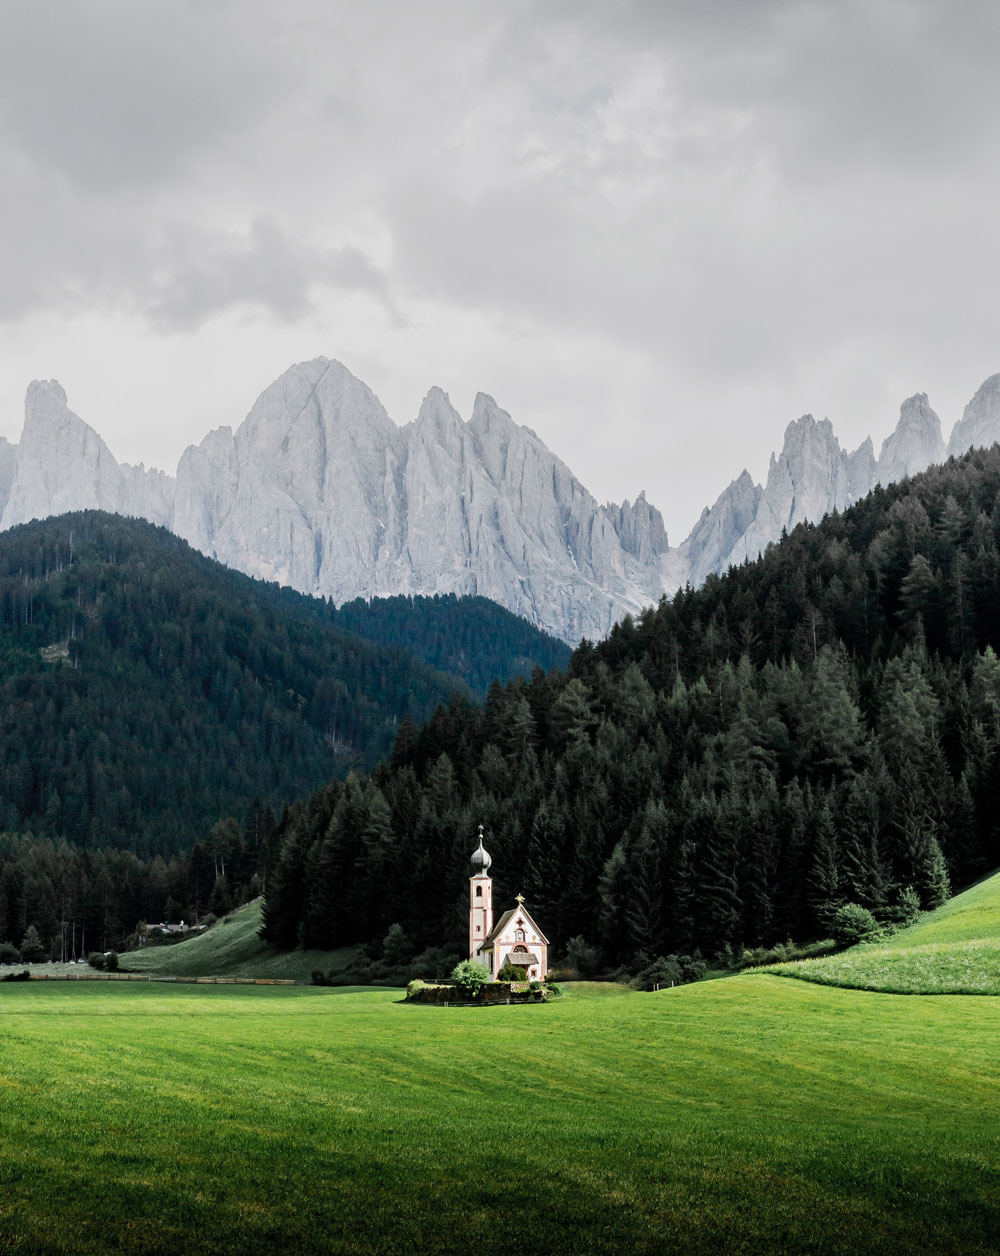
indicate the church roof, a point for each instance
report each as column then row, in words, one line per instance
column 498, row 928
column 505, row 920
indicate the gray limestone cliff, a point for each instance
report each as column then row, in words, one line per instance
column 62, row 464
column 320, row 490
column 8, row 458
column 914, row 445
column 713, row 543
column 811, row 476
column 639, row 527
column 979, row 425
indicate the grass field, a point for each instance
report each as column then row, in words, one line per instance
column 753, row 1115
column 954, row 950
column 231, row 948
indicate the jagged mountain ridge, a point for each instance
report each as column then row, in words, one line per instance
column 319, row 489
column 813, row 476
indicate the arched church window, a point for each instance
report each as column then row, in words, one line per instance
column 479, row 891
column 518, row 935
column 519, row 948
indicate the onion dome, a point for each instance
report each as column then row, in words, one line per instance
column 480, row 857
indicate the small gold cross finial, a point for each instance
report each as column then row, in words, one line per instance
column 519, row 898
column 480, row 832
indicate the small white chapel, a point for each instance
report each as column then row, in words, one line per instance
column 514, row 937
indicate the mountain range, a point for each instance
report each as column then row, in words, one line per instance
column 320, row 490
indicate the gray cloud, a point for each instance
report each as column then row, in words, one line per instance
column 111, row 96
column 196, row 275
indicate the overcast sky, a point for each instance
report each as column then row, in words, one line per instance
column 654, row 232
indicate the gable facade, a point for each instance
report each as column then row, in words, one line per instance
column 516, row 937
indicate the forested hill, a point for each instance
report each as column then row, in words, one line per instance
column 469, row 637
column 818, row 727
column 146, row 691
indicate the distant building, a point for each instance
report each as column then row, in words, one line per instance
column 514, row 937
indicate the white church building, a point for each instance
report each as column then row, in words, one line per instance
column 514, row 937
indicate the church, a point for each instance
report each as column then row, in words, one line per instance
column 514, row 937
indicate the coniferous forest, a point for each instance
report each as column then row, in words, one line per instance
column 818, row 727
column 155, row 706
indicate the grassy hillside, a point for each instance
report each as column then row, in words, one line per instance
column 232, row 948
column 953, row 950
column 746, row 1116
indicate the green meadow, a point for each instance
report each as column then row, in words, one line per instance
column 954, row 950
column 231, row 948
column 755, row 1115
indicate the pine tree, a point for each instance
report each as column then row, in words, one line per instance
column 720, row 906
column 612, row 889
column 33, row 950
column 823, row 887
column 643, row 886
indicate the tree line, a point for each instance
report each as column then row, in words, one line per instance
column 68, row 901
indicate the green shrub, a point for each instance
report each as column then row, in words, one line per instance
column 853, row 923
column 663, row 971
column 111, row 961
column 96, row 960
column 9, row 954
column 563, row 972
column 22, row 976
column 397, row 949
column 693, row 967
column 510, row 972
column 435, row 963
column 586, row 959
column 32, row 949
column 905, row 910
column 670, row 970
column 470, row 977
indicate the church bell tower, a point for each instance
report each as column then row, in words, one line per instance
column 480, row 899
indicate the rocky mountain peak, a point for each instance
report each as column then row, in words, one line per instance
column 715, row 540
column 979, row 425
column 8, row 459
column 915, row 443
column 62, row 464
column 45, row 398
column 639, row 527
column 438, row 420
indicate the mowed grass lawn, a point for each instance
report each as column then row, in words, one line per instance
column 755, row 1115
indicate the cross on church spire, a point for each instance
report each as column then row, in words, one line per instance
column 519, row 898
